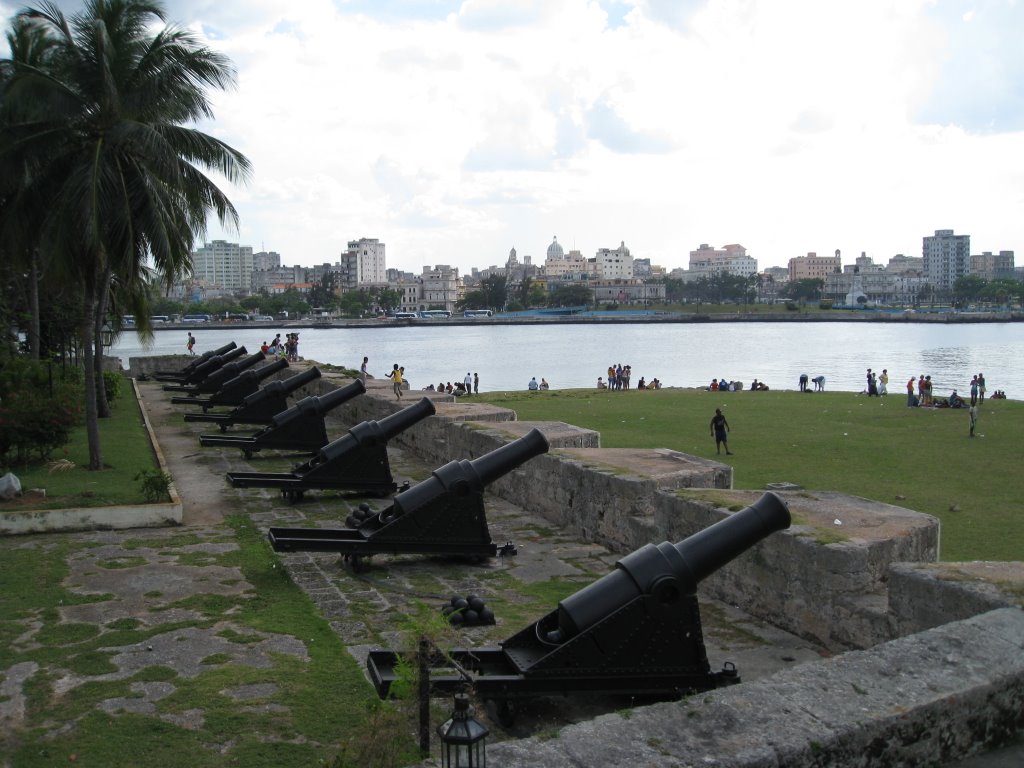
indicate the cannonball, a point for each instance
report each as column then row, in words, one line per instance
column 486, row 616
column 460, row 602
column 351, row 522
column 455, row 618
column 364, row 507
column 471, row 616
column 447, row 610
column 475, row 603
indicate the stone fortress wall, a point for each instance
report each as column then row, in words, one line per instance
column 930, row 663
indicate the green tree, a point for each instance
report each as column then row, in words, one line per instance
column 807, row 289
column 495, row 291
column 103, row 126
column 574, row 295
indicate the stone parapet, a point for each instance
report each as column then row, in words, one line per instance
column 926, row 699
column 926, row 595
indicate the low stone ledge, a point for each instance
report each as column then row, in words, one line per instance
column 926, row 595
column 937, row 696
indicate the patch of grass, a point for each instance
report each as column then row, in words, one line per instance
column 216, row 658
column 126, row 453
column 121, row 562
column 877, row 448
column 125, row 623
column 237, row 637
column 91, row 663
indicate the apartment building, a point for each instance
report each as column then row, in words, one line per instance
column 223, row 264
column 814, row 267
column 947, row 257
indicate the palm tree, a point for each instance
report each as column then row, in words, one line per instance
column 105, row 126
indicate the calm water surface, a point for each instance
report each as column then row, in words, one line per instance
column 681, row 355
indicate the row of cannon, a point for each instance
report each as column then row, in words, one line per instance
column 635, row 631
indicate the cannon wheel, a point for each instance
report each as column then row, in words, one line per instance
column 356, row 561
column 501, row 711
column 247, row 452
column 223, row 427
column 293, row 495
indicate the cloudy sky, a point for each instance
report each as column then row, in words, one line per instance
column 455, row 130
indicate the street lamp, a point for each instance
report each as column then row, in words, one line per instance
column 463, row 737
column 107, row 336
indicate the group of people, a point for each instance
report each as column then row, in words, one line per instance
column 470, row 385
column 642, row 384
column 818, row 382
column 535, row 386
column 289, row 348
column 877, row 384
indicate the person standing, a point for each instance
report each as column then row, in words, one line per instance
column 910, row 392
column 981, row 387
column 362, row 370
column 476, row 383
column 883, row 382
column 974, row 390
column 803, row 382
column 396, row 380
column 468, row 383
column 720, row 430
column 974, row 418
column 190, row 344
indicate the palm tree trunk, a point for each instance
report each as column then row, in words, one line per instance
column 102, row 302
column 92, row 427
column 33, row 301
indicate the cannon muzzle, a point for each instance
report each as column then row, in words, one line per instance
column 463, row 477
column 282, row 387
column 320, row 405
column 371, row 433
column 227, row 372
column 668, row 571
column 217, row 361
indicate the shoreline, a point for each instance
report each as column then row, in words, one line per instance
column 831, row 316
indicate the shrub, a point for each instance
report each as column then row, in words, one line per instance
column 155, row 483
column 39, row 407
column 112, row 384
column 791, row 306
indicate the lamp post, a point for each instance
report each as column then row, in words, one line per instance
column 106, row 336
column 463, row 737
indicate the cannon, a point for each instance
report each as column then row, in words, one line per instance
column 443, row 515
column 300, row 428
column 261, row 406
column 205, row 369
column 357, row 461
column 183, row 374
column 216, row 380
column 635, row 631
column 235, row 390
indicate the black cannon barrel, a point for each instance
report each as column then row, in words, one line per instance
column 670, row 570
column 473, row 475
column 199, row 360
column 259, row 374
column 320, row 405
column 227, row 372
column 283, row 387
column 215, row 362
column 368, row 433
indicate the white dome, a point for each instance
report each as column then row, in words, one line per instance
column 555, row 250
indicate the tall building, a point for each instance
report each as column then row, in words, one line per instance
column 558, row 263
column 370, row 260
column 993, row 266
column 224, row 264
column 730, row 259
column 614, row 264
column 266, row 260
column 814, row 267
column 947, row 257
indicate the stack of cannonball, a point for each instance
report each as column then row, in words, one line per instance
column 468, row 611
column 359, row 516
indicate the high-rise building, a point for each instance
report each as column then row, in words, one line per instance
column 370, row 260
column 614, row 264
column 266, row 260
column 730, row 259
column 224, row 264
column 947, row 257
column 993, row 266
column 814, row 267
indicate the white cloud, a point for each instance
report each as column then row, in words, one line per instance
column 454, row 131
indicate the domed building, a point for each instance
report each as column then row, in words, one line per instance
column 555, row 251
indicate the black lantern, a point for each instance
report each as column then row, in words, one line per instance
column 107, row 335
column 463, row 737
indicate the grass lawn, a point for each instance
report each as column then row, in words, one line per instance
column 878, row 448
column 126, row 452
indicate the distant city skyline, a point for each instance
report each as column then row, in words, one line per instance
column 455, row 130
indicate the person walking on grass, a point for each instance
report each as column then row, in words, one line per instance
column 720, row 430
